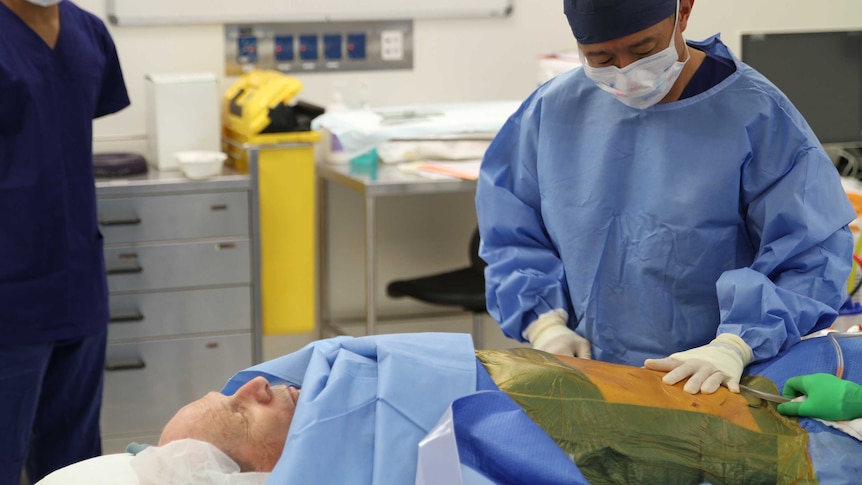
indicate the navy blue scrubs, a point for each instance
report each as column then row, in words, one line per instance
column 713, row 70
column 53, row 291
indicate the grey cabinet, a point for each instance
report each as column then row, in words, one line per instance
column 180, row 261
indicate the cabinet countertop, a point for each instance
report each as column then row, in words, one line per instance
column 163, row 181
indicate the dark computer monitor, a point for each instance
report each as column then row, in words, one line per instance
column 821, row 73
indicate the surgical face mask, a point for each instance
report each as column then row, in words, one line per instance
column 643, row 83
column 44, row 3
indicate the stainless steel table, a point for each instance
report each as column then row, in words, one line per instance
column 371, row 182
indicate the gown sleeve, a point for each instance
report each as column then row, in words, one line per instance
column 525, row 276
column 798, row 221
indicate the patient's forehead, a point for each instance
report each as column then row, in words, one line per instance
column 181, row 424
column 205, row 419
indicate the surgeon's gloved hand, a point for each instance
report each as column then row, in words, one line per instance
column 827, row 397
column 707, row 367
column 549, row 333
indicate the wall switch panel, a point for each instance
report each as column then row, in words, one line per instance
column 319, row 46
column 392, row 45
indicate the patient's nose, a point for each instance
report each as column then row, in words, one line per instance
column 256, row 390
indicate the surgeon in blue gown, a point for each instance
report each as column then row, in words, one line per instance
column 665, row 205
column 58, row 71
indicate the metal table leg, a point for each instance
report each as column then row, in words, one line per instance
column 323, row 309
column 370, row 266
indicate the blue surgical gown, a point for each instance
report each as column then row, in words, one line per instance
column 52, row 271
column 656, row 229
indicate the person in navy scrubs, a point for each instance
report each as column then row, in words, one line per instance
column 58, row 71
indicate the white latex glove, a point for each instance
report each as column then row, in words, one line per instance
column 549, row 333
column 707, row 368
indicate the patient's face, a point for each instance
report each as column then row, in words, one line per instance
column 251, row 426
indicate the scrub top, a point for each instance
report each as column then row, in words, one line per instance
column 657, row 229
column 52, row 270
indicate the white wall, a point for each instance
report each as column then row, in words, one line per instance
column 733, row 17
column 455, row 61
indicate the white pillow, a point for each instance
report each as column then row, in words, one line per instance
column 113, row 469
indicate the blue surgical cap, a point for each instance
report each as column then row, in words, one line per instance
column 595, row 21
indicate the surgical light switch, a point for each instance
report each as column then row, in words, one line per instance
column 283, row 49
column 332, row 47
column 356, row 45
column 308, row 47
column 247, row 50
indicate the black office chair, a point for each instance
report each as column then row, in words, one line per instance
column 464, row 287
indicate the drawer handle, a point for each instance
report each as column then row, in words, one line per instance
column 132, row 316
column 127, row 364
column 221, row 246
column 128, row 270
column 125, row 269
column 133, row 221
column 218, row 207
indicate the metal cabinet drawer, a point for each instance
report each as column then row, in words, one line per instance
column 167, row 266
column 145, row 315
column 163, row 217
column 146, row 383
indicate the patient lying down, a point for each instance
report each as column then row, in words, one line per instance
column 370, row 401
column 252, row 425
column 619, row 423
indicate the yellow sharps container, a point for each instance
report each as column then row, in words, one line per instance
column 267, row 135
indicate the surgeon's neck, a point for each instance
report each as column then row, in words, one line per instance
column 44, row 21
column 694, row 61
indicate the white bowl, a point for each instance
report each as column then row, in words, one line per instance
column 200, row 164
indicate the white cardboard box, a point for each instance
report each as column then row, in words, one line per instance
column 554, row 64
column 183, row 113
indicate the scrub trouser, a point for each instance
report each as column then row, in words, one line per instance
column 50, row 400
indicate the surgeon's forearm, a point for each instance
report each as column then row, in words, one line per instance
column 519, row 297
column 771, row 314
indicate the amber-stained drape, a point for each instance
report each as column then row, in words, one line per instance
column 621, row 425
